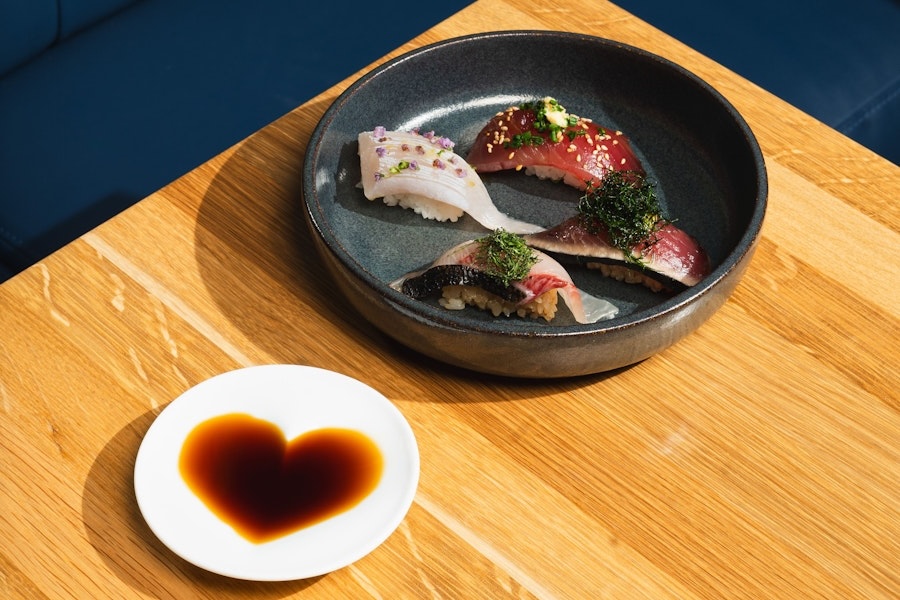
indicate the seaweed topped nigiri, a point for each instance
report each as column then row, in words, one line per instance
column 421, row 171
column 545, row 140
column 502, row 274
column 620, row 230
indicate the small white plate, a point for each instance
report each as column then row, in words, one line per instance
column 297, row 399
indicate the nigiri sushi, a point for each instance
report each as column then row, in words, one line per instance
column 545, row 140
column 420, row 171
column 620, row 230
column 500, row 273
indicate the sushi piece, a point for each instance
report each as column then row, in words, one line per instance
column 620, row 230
column 545, row 140
column 420, row 171
column 500, row 273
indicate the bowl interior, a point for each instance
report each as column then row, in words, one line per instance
column 708, row 168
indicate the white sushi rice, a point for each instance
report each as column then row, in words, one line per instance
column 554, row 174
column 544, row 172
column 426, row 207
column 457, row 297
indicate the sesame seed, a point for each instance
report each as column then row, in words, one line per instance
column 519, row 167
column 511, row 155
column 622, row 162
column 578, row 158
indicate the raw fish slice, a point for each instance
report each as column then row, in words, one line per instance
column 556, row 145
column 421, row 172
column 462, row 281
column 673, row 256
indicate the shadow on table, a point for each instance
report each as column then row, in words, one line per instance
column 121, row 537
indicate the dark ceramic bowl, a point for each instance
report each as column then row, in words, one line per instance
column 707, row 164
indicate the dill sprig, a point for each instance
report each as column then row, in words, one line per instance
column 626, row 206
column 505, row 256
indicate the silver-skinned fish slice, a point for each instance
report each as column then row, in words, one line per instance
column 457, row 276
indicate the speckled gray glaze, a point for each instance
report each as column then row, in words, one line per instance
column 707, row 164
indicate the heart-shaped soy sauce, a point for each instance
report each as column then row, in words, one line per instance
column 251, row 477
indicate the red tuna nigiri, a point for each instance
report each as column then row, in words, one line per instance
column 545, row 140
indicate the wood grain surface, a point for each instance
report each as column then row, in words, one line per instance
column 757, row 458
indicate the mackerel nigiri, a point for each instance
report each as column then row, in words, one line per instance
column 500, row 273
column 620, row 230
column 421, row 171
column 547, row 141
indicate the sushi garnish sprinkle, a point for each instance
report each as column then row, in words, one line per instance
column 550, row 117
column 444, row 150
column 505, row 256
column 626, row 206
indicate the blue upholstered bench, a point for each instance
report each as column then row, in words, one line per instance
column 838, row 61
column 105, row 101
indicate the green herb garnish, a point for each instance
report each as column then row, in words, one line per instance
column 505, row 256
column 543, row 123
column 524, row 139
column 403, row 164
column 626, row 206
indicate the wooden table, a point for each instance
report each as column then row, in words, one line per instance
column 757, row 458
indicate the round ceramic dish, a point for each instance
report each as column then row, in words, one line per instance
column 297, row 399
column 707, row 164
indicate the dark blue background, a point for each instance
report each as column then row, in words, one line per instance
column 130, row 103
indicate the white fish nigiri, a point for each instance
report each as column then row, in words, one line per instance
column 420, row 171
column 462, row 279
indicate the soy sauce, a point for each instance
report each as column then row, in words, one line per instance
column 265, row 487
